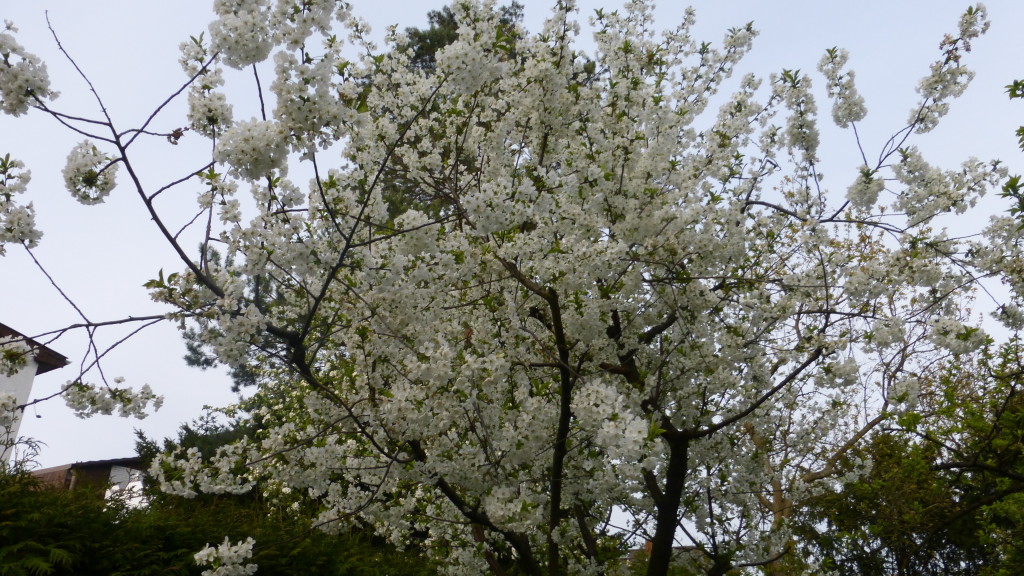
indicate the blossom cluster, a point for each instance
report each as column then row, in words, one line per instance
column 863, row 193
column 209, row 112
column 310, row 99
column 848, row 106
column 955, row 336
column 23, row 76
column 801, row 133
column 89, row 399
column 227, row 559
column 8, row 413
column 187, row 474
column 254, row 149
column 466, row 66
column 234, row 334
column 930, row 191
column 89, row 174
column 14, row 353
column 240, row 33
column 948, row 78
column 17, row 222
column 888, row 332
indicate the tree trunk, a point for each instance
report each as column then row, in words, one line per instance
column 668, row 507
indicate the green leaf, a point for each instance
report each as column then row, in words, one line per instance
column 1016, row 90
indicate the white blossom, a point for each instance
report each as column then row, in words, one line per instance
column 241, row 34
column 888, row 332
column 194, row 56
column 467, row 67
column 864, row 191
column 253, row 149
column 209, row 113
column 8, row 412
column 227, row 559
column 89, row 399
column 23, row 76
column 186, row 473
column 801, row 133
column 955, row 336
column 14, row 354
column 931, row 191
column 1011, row 316
column 17, row 222
column 89, row 174
column 848, row 105
column 948, row 78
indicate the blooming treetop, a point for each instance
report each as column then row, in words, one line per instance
column 610, row 307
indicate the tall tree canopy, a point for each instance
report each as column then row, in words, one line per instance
column 626, row 315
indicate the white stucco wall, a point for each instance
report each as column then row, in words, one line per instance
column 125, row 483
column 19, row 385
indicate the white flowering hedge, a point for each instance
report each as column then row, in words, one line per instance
column 612, row 309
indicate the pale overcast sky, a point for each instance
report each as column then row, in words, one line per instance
column 102, row 255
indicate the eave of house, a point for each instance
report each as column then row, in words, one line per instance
column 46, row 358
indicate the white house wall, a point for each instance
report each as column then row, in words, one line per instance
column 19, row 385
column 125, row 483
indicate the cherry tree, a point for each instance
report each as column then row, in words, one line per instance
column 630, row 311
